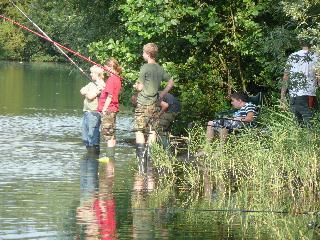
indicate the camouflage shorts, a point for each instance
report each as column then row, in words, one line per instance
column 108, row 125
column 166, row 120
column 144, row 118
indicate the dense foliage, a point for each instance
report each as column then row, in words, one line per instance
column 209, row 47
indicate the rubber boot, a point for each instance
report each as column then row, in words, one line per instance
column 149, row 167
column 140, row 153
column 148, row 161
column 93, row 149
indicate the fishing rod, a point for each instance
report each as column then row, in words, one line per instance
column 59, row 45
column 44, row 34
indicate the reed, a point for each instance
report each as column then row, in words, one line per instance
column 273, row 168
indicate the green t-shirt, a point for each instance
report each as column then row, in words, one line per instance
column 151, row 76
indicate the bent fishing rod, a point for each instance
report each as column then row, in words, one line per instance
column 44, row 34
column 59, row 45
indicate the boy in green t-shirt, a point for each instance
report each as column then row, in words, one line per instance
column 150, row 77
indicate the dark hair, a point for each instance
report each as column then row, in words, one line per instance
column 240, row 96
column 306, row 41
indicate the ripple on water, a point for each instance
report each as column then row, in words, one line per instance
column 40, row 174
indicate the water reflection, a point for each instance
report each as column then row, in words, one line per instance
column 39, row 86
column 146, row 220
column 49, row 190
column 142, row 217
column 96, row 212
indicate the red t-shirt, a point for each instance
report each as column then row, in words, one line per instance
column 113, row 87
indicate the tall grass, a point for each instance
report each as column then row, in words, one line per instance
column 273, row 168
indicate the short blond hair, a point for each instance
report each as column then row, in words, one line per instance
column 151, row 49
column 97, row 70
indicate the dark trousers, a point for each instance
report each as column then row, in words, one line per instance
column 299, row 106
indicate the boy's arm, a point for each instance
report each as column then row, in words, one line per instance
column 138, row 86
column 106, row 104
column 164, row 107
column 89, row 94
column 248, row 118
column 83, row 90
column 167, row 89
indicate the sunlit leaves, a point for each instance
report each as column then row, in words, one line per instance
column 11, row 42
column 209, row 47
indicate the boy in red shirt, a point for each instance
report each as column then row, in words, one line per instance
column 109, row 104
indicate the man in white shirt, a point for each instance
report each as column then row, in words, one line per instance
column 301, row 81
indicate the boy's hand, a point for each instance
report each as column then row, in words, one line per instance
column 100, row 88
column 138, row 86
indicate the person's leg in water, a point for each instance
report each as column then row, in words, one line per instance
column 144, row 123
column 139, row 124
column 91, row 131
column 140, row 144
column 153, row 127
column 108, row 131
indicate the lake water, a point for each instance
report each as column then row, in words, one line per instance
column 51, row 188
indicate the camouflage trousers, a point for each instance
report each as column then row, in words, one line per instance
column 166, row 120
column 145, row 118
column 108, row 125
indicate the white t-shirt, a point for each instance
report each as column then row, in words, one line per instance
column 95, row 87
column 301, row 69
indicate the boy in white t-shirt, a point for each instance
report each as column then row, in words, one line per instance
column 301, row 81
column 91, row 118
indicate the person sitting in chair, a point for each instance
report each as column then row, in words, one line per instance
column 244, row 117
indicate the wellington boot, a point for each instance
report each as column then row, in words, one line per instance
column 140, row 150
column 93, row 149
column 140, row 153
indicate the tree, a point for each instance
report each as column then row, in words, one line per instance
column 211, row 48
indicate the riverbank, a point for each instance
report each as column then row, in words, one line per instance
column 272, row 171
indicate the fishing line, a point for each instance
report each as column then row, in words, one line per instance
column 59, row 45
column 44, row 34
column 174, row 210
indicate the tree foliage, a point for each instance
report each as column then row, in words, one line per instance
column 211, row 48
